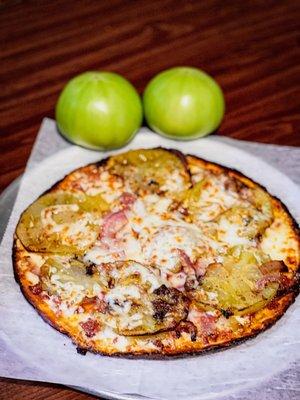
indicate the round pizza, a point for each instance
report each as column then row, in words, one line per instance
column 156, row 253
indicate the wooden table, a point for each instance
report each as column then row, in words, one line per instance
column 250, row 47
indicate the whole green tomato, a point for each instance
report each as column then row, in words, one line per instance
column 99, row 110
column 183, row 103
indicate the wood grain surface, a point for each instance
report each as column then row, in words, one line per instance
column 250, row 47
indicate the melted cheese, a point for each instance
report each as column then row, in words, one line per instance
column 160, row 247
column 153, row 236
column 48, row 213
column 110, row 187
column 119, row 298
column 146, row 276
column 37, row 260
column 99, row 255
column 209, row 211
column 33, row 279
column 175, row 182
column 78, row 232
column 230, row 233
column 279, row 242
column 214, row 191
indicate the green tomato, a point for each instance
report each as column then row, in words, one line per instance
column 183, row 103
column 99, row 110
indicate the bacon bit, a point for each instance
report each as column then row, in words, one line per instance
column 36, row 289
column 174, row 205
column 56, row 300
column 90, row 327
column 135, row 234
column 186, row 327
column 127, row 199
column 92, row 304
column 177, row 206
column 113, row 223
column 158, row 343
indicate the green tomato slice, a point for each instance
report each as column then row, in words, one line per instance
column 61, row 222
column 233, row 285
column 151, row 170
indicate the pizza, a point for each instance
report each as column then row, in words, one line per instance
column 155, row 253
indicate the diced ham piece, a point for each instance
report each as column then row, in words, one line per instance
column 91, row 304
column 197, row 268
column 263, row 282
column 127, row 199
column 91, row 327
column 36, row 289
column 272, row 271
column 112, row 224
column 200, row 267
column 204, row 321
column 272, row 267
column 208, row 323
column 56, row 300
column 186, row 263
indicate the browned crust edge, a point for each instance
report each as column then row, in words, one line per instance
column 288, row 298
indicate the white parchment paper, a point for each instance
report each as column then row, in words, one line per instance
column 30, row 349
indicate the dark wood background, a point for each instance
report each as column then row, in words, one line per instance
column 250, row 47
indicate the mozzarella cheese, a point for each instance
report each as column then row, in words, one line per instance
column 280, row 243
column 160, row 247
column 78, row 232
column 153, row 236
column 230, row 233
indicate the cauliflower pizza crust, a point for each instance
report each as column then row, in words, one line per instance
column 154, row 253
